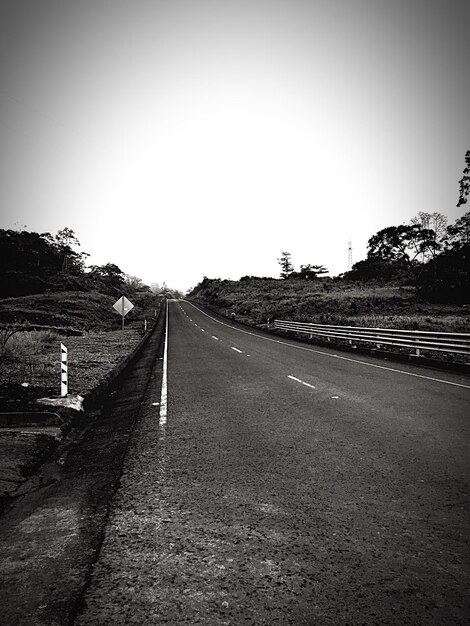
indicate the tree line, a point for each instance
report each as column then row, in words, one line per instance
column 32, row 263
column 436, row 259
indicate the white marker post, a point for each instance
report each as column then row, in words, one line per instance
column 63, row 371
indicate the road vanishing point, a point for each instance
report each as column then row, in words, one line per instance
column 258, row 481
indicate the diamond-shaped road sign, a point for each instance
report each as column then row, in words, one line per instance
column 123, row 306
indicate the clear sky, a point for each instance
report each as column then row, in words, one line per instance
column 183, row 138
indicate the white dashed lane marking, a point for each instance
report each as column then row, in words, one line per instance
column 214, row 337
column 236, row 350
column 336, row 356
column 297, row 380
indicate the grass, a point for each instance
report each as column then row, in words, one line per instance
column 330, row 302
column 33, row 359
column 74, row 309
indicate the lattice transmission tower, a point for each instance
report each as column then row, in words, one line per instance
column 350, row 261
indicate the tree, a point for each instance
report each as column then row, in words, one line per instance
column 447, row 277
column 459, row 233
column 66, row 237
column 71, row 261
column 374, row 268
column 108, row 277
column 432, row 221
column 402, row 243
column 33, row 263
column 464, row 182
column 286, row 265
column 310, row 271
column 134, row 283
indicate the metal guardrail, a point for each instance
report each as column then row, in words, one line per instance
column 415, row 339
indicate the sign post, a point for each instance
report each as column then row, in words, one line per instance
column 123, row 306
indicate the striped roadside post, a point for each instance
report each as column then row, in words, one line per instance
column 63, row 371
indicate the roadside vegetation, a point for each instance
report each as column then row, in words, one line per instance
column 49, row 297
column 330, row 301
column 30, row 363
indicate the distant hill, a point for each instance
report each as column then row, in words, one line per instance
column 327, row 301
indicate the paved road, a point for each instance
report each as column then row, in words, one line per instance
column 288, row 485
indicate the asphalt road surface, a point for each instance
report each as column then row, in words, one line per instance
column 270, row 483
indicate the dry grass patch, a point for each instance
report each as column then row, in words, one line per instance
column 33, row 357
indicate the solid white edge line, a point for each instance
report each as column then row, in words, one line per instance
column 333, row 356
column 164, row 396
